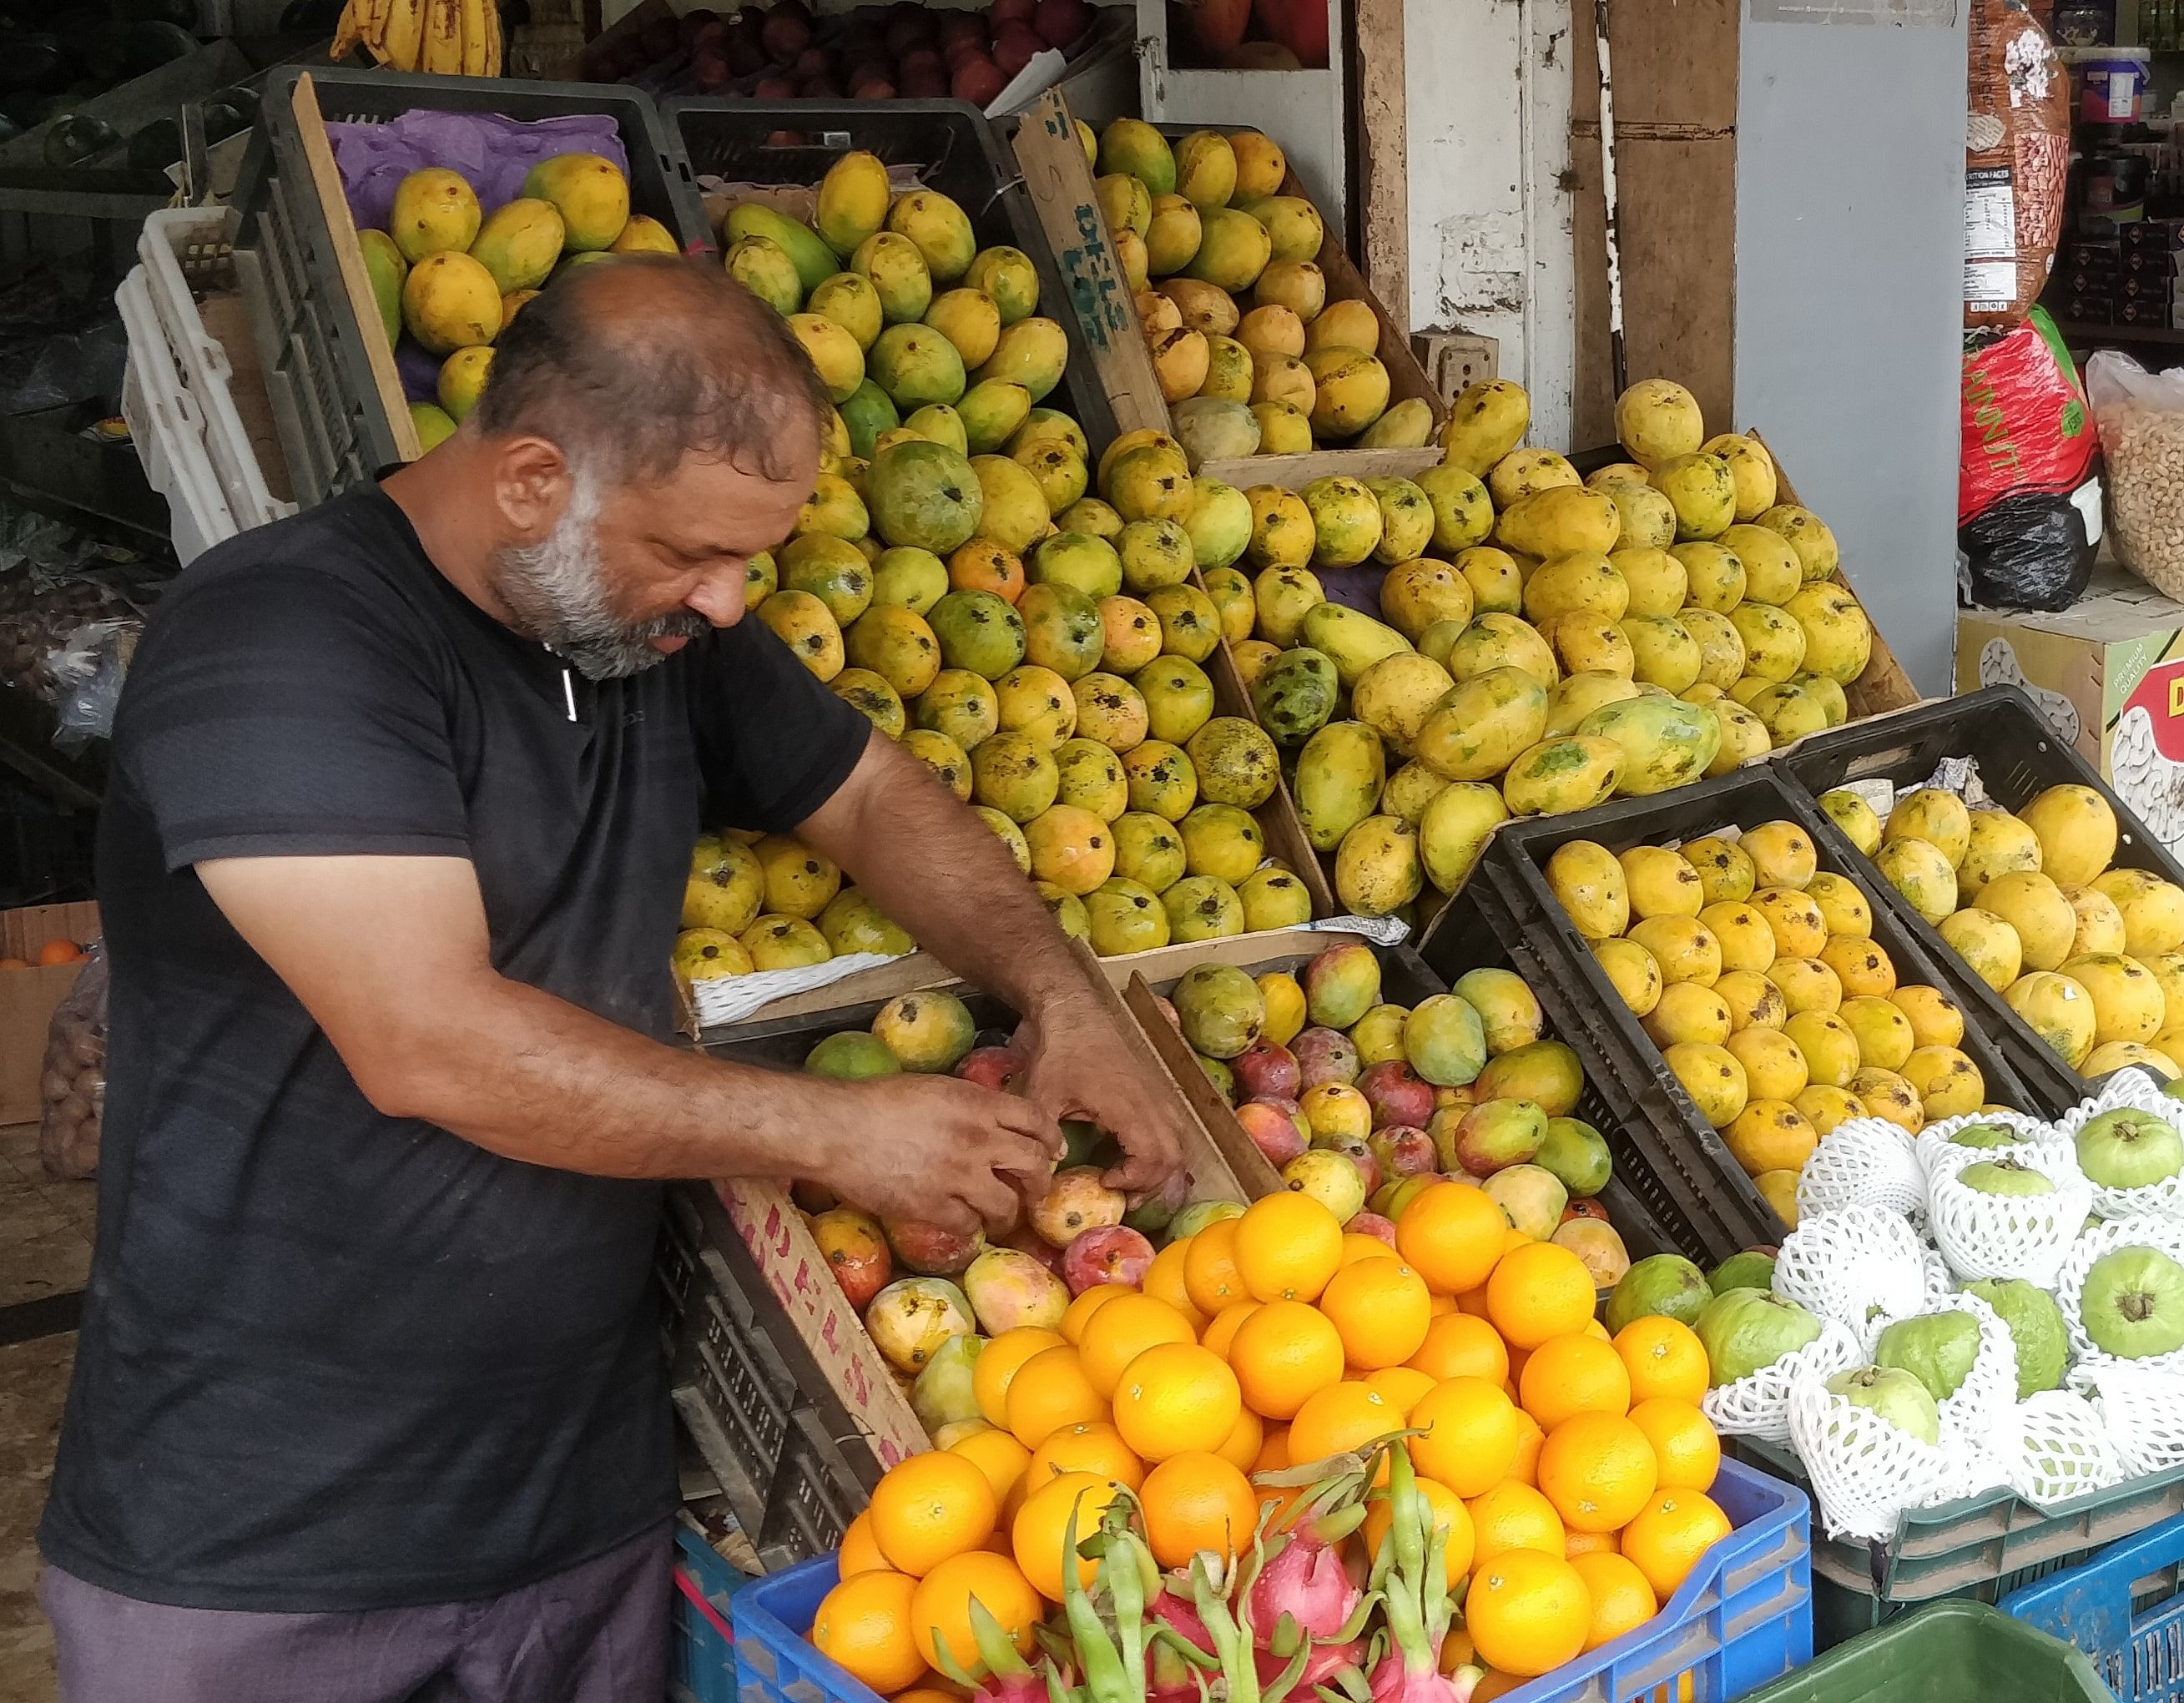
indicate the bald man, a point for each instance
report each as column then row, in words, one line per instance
column 369, row 1403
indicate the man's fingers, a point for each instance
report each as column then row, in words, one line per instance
column 993, row 1201
column 1018, row 1156
column 1029, row 1120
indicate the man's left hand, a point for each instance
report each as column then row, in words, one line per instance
column 1080, row 1065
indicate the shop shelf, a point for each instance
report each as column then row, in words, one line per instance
column 1953, row 1652
column 2122, row 1610
column 2019, row 756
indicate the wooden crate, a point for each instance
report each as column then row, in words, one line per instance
column 28, row 997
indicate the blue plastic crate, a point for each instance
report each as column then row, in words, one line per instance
column 2124, row 1609
column 1743, row 1617
column 702, row 1654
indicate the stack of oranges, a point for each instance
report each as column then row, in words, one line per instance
column 1568, row 1469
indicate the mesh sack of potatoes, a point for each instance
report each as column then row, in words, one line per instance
column 2140, row 416
column 73, row 1084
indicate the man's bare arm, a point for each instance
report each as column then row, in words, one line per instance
column 391, row 957
column 939, row 871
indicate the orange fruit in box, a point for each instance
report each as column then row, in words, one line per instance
column 1663, row 1356
column 1567, row 1375
column 1358, row 1245
column 996, row 1454
column 1452, row 1236
column 1381, row 1309
column 1576, row 1543
column 1097, row 1448
column 1221, row 1333
column 1512, row 1516
column 1043, row 1522
column 1343, row 1416
column 1123, row 1330
column 1685, row 1443
column 1176, row 1399
column 1530, row 1439
column 1598, row 1469
column 929, row 1507
column 999, row 1361
column 1244, row 1441
column 1049, row 1391
column 940, row 1607
column 1287, row 1246
column 1669, row 1535
column 1538, row 1290
column 1528, row 1612
column 1087, row 1304
column 1210, row 1276
column 1621, row 1598
column 1164, row 1282
column 1402, row 1386
column 1471, row 1435
column 864, row 1625
column 1461, row 1345
column 58, row 952
column 860, row 1549
column 1284, row 1353
column 1197, row 1501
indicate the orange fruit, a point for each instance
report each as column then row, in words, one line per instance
column 1288, row 1245
column 999, row 1361
column 1097, row 1448
column 1197, row 1501
column 1530, row 1439
column 1538, row 1290
column 940, row 1607
column 1621, row 1598
column 1284, row 1353
column 1342, row 1416
column 928, row 1694
column 1471, row 1301
column 1210, row 1276
column 996, row 1454
column 1164, row 1282
column 929, row 1507
column 1049, row 1391
column 1500, row 1684
column 1448, row 1515
column 1528, row 1612
column 1244, row 1441
column 1086, row 1304
column 1381, row 1309
column 1358, row 1245
column 1458, row 1345
column 1402, row 1386
column 1450, row 1235
column 1123, row 1330
column 1222, row 1331
column 1470, row 1435
column 1576, row 1543
column 1669, row 1535
column 58, row 952
column 1685, row 1444
column 1273, row 1448
column 860, row 1549
column 1176, row 1399
column 1573, row 1374
column 864, row 1624
column 1043, row 1522
column 1511, row 1515
column 1663, row 1356
column 1598, row 1469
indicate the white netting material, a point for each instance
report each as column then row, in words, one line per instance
column 1940, row 1285
column 1935, row 1152
column 1864, row 1471
column 2008, row 1235
column 1861, row 1267
column 1759, row 1406
column 2105, row 1238
column 2143, row 1409
column 2058, row 1447
column 1982, row 1402
column 1863, row 1161
column 2136, row 1091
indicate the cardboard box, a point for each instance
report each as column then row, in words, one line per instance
column 2108, row 673
column 27, row 997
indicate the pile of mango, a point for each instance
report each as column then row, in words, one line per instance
column 1544, row 641
column 769, row 902
column 2091, row 956
column 1252, row 357
column 453, row 276
column 1755, row 973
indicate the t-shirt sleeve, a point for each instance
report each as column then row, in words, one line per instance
column 774, row 743
column 273, row 711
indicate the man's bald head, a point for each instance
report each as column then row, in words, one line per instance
column 631, row 365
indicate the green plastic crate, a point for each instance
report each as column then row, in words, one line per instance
column 1950, row 1652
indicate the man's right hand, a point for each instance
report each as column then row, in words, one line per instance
column 937, row 1149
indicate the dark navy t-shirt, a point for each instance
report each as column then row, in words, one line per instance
column 331, row 1360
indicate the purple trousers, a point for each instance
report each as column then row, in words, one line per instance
column 597, row 1634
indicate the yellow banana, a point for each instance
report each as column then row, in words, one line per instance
column 371, row 25
column 405, row 34
column 473, row 38
column 346, row 33
column 443, row 38
column 494, row 44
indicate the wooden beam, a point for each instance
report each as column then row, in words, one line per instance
column 1382, row 169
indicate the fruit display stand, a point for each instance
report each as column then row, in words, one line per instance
column 1980, row 1549
column 336, row 397
column 2019, row 756
column 1954, row 1652
column 2105, row 1607
column 1686, row 1157
column 1740, row 1620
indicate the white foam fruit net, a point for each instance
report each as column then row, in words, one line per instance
column 2132, row 1089
column 1759, row 1406
column 1982, row 1402
column 2143, row 1409
column 2025, row 1236
column 1864, row 1471
column 2163, row 1235
column 1861, row 1267
column 1863, row 1161
column 1934, row 1151
column 2057, row 1448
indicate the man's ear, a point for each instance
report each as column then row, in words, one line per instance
column 531, row 484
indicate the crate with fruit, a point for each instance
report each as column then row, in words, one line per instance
column 2058, row 916
column 1312, row 1462
column 1742, row 965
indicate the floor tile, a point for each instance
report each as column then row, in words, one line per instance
column 33, row 1387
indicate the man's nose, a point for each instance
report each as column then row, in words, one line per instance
column 719, row 597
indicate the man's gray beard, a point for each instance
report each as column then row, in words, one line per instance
column 557, row 590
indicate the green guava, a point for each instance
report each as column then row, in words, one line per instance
column 1668, row 1284
column 1750, row 1270
column 2132, row 1303
column 2035, row 1326
column 1937, row 1349
column 2129, row 1149
column 1985, row 1135
column 1896, row 1396
column 942, row 1394
column 2004, row 1176
column 1747, row 1329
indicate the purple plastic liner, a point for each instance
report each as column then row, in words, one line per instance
column 493, row 154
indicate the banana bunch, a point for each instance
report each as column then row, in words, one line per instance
column 448, row 37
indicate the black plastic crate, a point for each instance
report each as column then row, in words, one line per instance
column 1680, row 1162
column 952, row 147
column 319, row 379
column 793, row 1464
column 2019, row 756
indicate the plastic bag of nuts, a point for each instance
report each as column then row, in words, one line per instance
column 74, row 1083
column 2140, row 416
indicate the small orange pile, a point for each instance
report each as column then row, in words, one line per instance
column 1568, row 1470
